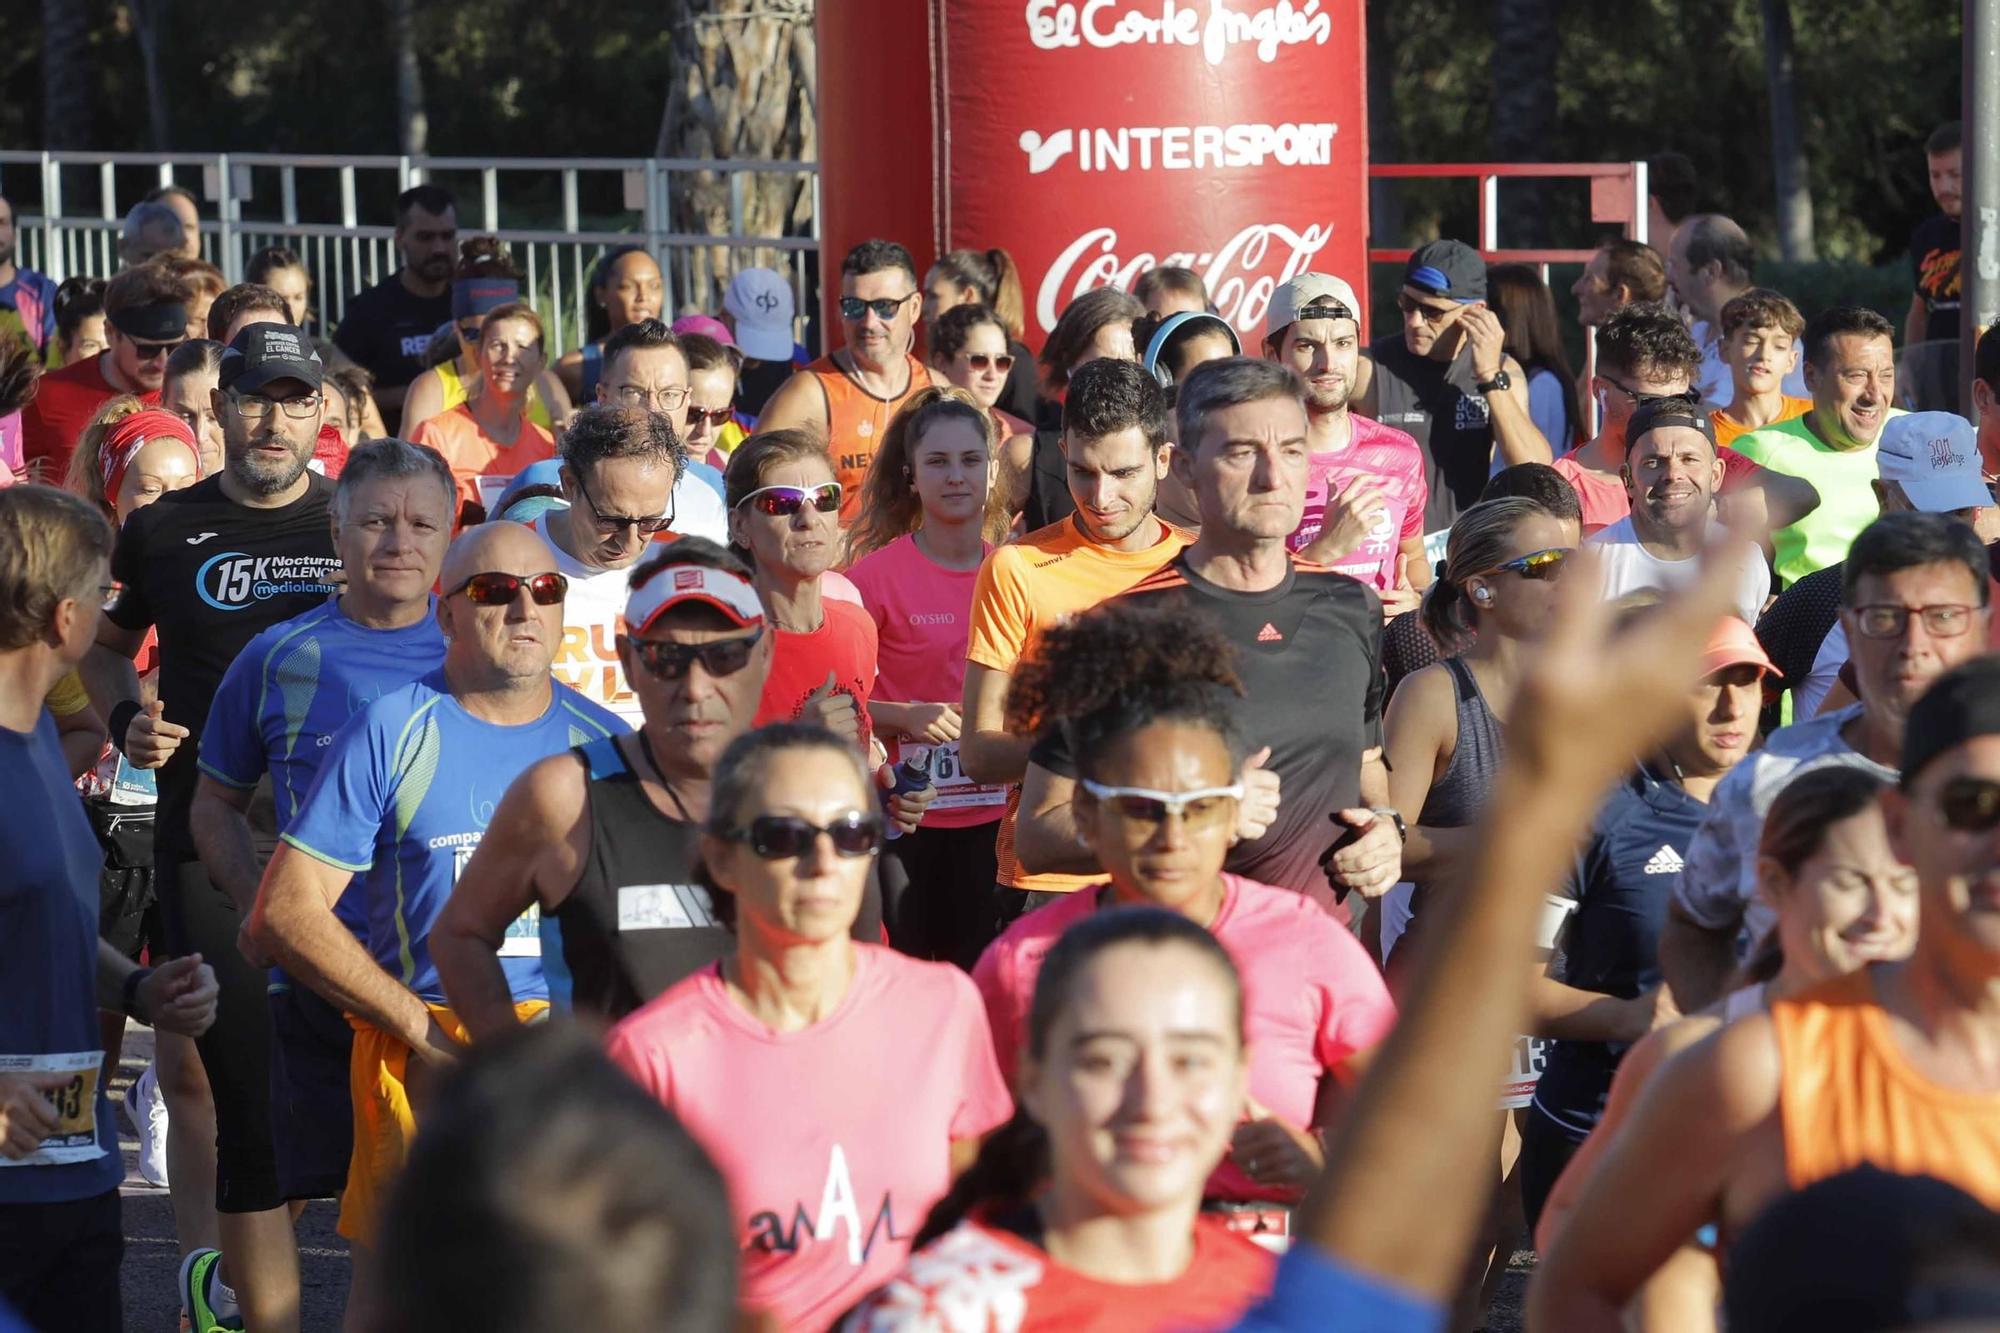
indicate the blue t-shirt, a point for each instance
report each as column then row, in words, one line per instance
column 292, row 688
column 49, row 863
column 1315, row 1291
column 402, row 798
column 1620, row 886
column 33, row 297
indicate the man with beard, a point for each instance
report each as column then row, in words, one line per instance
column 388, row 328
column 210, row 566
column 1671, row 476
column 1365, row 497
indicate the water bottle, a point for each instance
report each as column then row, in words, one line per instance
column 912, row 774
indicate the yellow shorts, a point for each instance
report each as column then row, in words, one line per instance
column 384, row 1124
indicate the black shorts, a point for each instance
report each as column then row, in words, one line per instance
column 940, row 907
column 127, row 914
column 236, row 1051
column 312, row 1109
column 59, row 1263
column 1546, row 1148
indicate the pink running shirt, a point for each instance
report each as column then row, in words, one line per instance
column 1602, row 498
column 835, row 1140
column 1311, row 995
column 1393, row 461
column 923, row 614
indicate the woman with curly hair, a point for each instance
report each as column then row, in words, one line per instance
column 1145, row 696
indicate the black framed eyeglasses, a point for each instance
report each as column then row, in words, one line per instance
column 672, row 661
column 782, row 837
column 885, row 308
column 609, row 523
column 496, row 589
column 1888, row 620
column 1543, row 564
column 255, row 407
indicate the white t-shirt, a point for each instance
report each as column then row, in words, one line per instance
column 587, row 661
column 1827, row 662
column 1628, row 567
column 698, row 510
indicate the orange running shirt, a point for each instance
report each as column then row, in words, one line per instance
column 482, row 466
column 1847, row 1096
column 856, row 421
column 1028, row 585
column 1726, row 431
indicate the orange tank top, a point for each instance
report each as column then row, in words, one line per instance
column 856, row 421
column 1847, row 1096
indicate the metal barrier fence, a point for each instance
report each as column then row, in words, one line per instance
column 314, row 205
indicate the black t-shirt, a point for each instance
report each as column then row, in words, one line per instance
column 1934, row 250
column 1309, row 654
column 387, row 329
column 210, row 574
column 1437, row 403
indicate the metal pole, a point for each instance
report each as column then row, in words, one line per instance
column 1979, row 216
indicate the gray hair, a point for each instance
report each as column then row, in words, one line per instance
column 390, row 458
column 150, row 216
column 1229, row 382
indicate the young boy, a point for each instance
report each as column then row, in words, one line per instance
column 1760, row 345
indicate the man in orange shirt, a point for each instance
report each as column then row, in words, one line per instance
column 1892, row 1065
column 851, row 394
column 1760, row 345
column 1115, row 447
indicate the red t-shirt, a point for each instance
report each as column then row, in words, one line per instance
column 977, row 1278
column 844, row 644
column 329, row 452
column 62, row 407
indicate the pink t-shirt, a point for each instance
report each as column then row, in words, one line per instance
column 1392, row 460
column 1311, row 995
column 922, row 613
column 1601, row 497
column 835, row 1140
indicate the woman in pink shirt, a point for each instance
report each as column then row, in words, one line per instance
column 919, row 543
column 839, row 1086
column 1157, row 803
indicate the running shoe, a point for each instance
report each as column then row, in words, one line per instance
column 206, row 1304
column 146, row 1112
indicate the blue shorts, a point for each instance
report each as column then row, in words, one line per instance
column 312, row 1110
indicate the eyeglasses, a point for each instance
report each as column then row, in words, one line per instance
column 1541, row 565
column 670, row 398
column 782, row 837
column 784, row 501
column 148, row 351
column 1003, row 363
column 718, row 417
column 1142, row 805
column 853, row 307
column 495, row 589
column 109, row 594
column 610, row 523
column 671, row 661
column 1432, row 314
column 1970, row 805
column 252, row 407
column 1886, row 620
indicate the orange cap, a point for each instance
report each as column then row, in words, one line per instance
column 1732, row 643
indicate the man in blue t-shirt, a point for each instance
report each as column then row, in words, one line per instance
column 29, row 294
column 60, row 1233
column 275, row 714
column 402, row 798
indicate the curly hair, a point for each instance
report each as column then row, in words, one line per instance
column 890, row 506
column 1646, row 339
column 485, row 257
column 950, row 330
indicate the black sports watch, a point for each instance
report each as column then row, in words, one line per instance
column 1500, row 383
column 128, row 997
column 1394, row 816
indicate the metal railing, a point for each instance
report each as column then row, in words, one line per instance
column 312, row 204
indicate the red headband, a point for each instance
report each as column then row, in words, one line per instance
column 128, row 435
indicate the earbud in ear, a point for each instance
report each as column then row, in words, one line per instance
column 1482, row 596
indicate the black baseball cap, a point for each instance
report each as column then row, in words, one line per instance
column 1676, row 409
column 265, row 353
column 1960, row 705
column 1447, row 268
column 154, row 322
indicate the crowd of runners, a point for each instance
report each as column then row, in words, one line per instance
column 1193, row 828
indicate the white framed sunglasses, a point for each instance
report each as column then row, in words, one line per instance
column 1143, row 805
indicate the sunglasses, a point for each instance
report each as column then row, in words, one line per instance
column 784, row 501
column 983, row 361
column 1970, row 805
column 1544, row 564
column 717, row 417
column 1433, row 314
column 782, row 837
column 853, row 307
column 1886, row 620
column 610, row 523
column 148, row 351
column 671, row 661
column 1143, row 805
column 109, row 593
column 495, row 589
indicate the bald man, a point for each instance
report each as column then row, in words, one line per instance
column 1709, row 264
column 402, row 799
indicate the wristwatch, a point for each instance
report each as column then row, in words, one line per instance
column 1394, row 816
column 128, row 998
column 1500, row 383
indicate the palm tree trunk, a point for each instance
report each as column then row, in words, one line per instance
column 66, row 76
column 1788, row 154
column 413, row 127
column 1524, row 107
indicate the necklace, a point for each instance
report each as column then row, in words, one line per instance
column 646, row 745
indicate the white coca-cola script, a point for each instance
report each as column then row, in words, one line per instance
column 1240, row 274
column 1055, row 24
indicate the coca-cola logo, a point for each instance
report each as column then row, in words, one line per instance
column 1239, row 273
column 1104, row 24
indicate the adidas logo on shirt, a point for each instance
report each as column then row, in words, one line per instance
column 1666, row 861
column 1269, row 634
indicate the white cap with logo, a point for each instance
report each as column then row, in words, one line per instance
column 1934, row 457
column 1295, row 294
column 761, row 301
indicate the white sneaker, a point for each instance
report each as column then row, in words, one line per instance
column 146, row 1112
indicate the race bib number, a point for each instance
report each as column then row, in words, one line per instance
column 1530, row 1055
column 75, row 1136
column 955, row 791
column 134, row 786
column 524, row 937
column 664, row 907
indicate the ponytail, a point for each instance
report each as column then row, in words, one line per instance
column 1012, row 1164
column 1479, row 540
column 1008, row 300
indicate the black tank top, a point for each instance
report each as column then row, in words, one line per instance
column 1049, row 500
column 1436, row 402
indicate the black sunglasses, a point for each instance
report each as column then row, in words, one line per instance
column 671, row 661
column 1970, row 805
column 717, row 417
column 494, row 589
column 608, row 523
column 781, row 837
column 885, row 308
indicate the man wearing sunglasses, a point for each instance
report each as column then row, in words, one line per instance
column 1915, row 603
column 145, row 318
column 402, row 799
column 852, row 393
column 1889, row 1066
column 1447, row 380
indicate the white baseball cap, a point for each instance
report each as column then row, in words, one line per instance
column 761, row 301
column 1295, row 294
column 1934, row 457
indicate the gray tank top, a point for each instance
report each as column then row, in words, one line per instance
column 1460, row 793
column 1437, row 403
